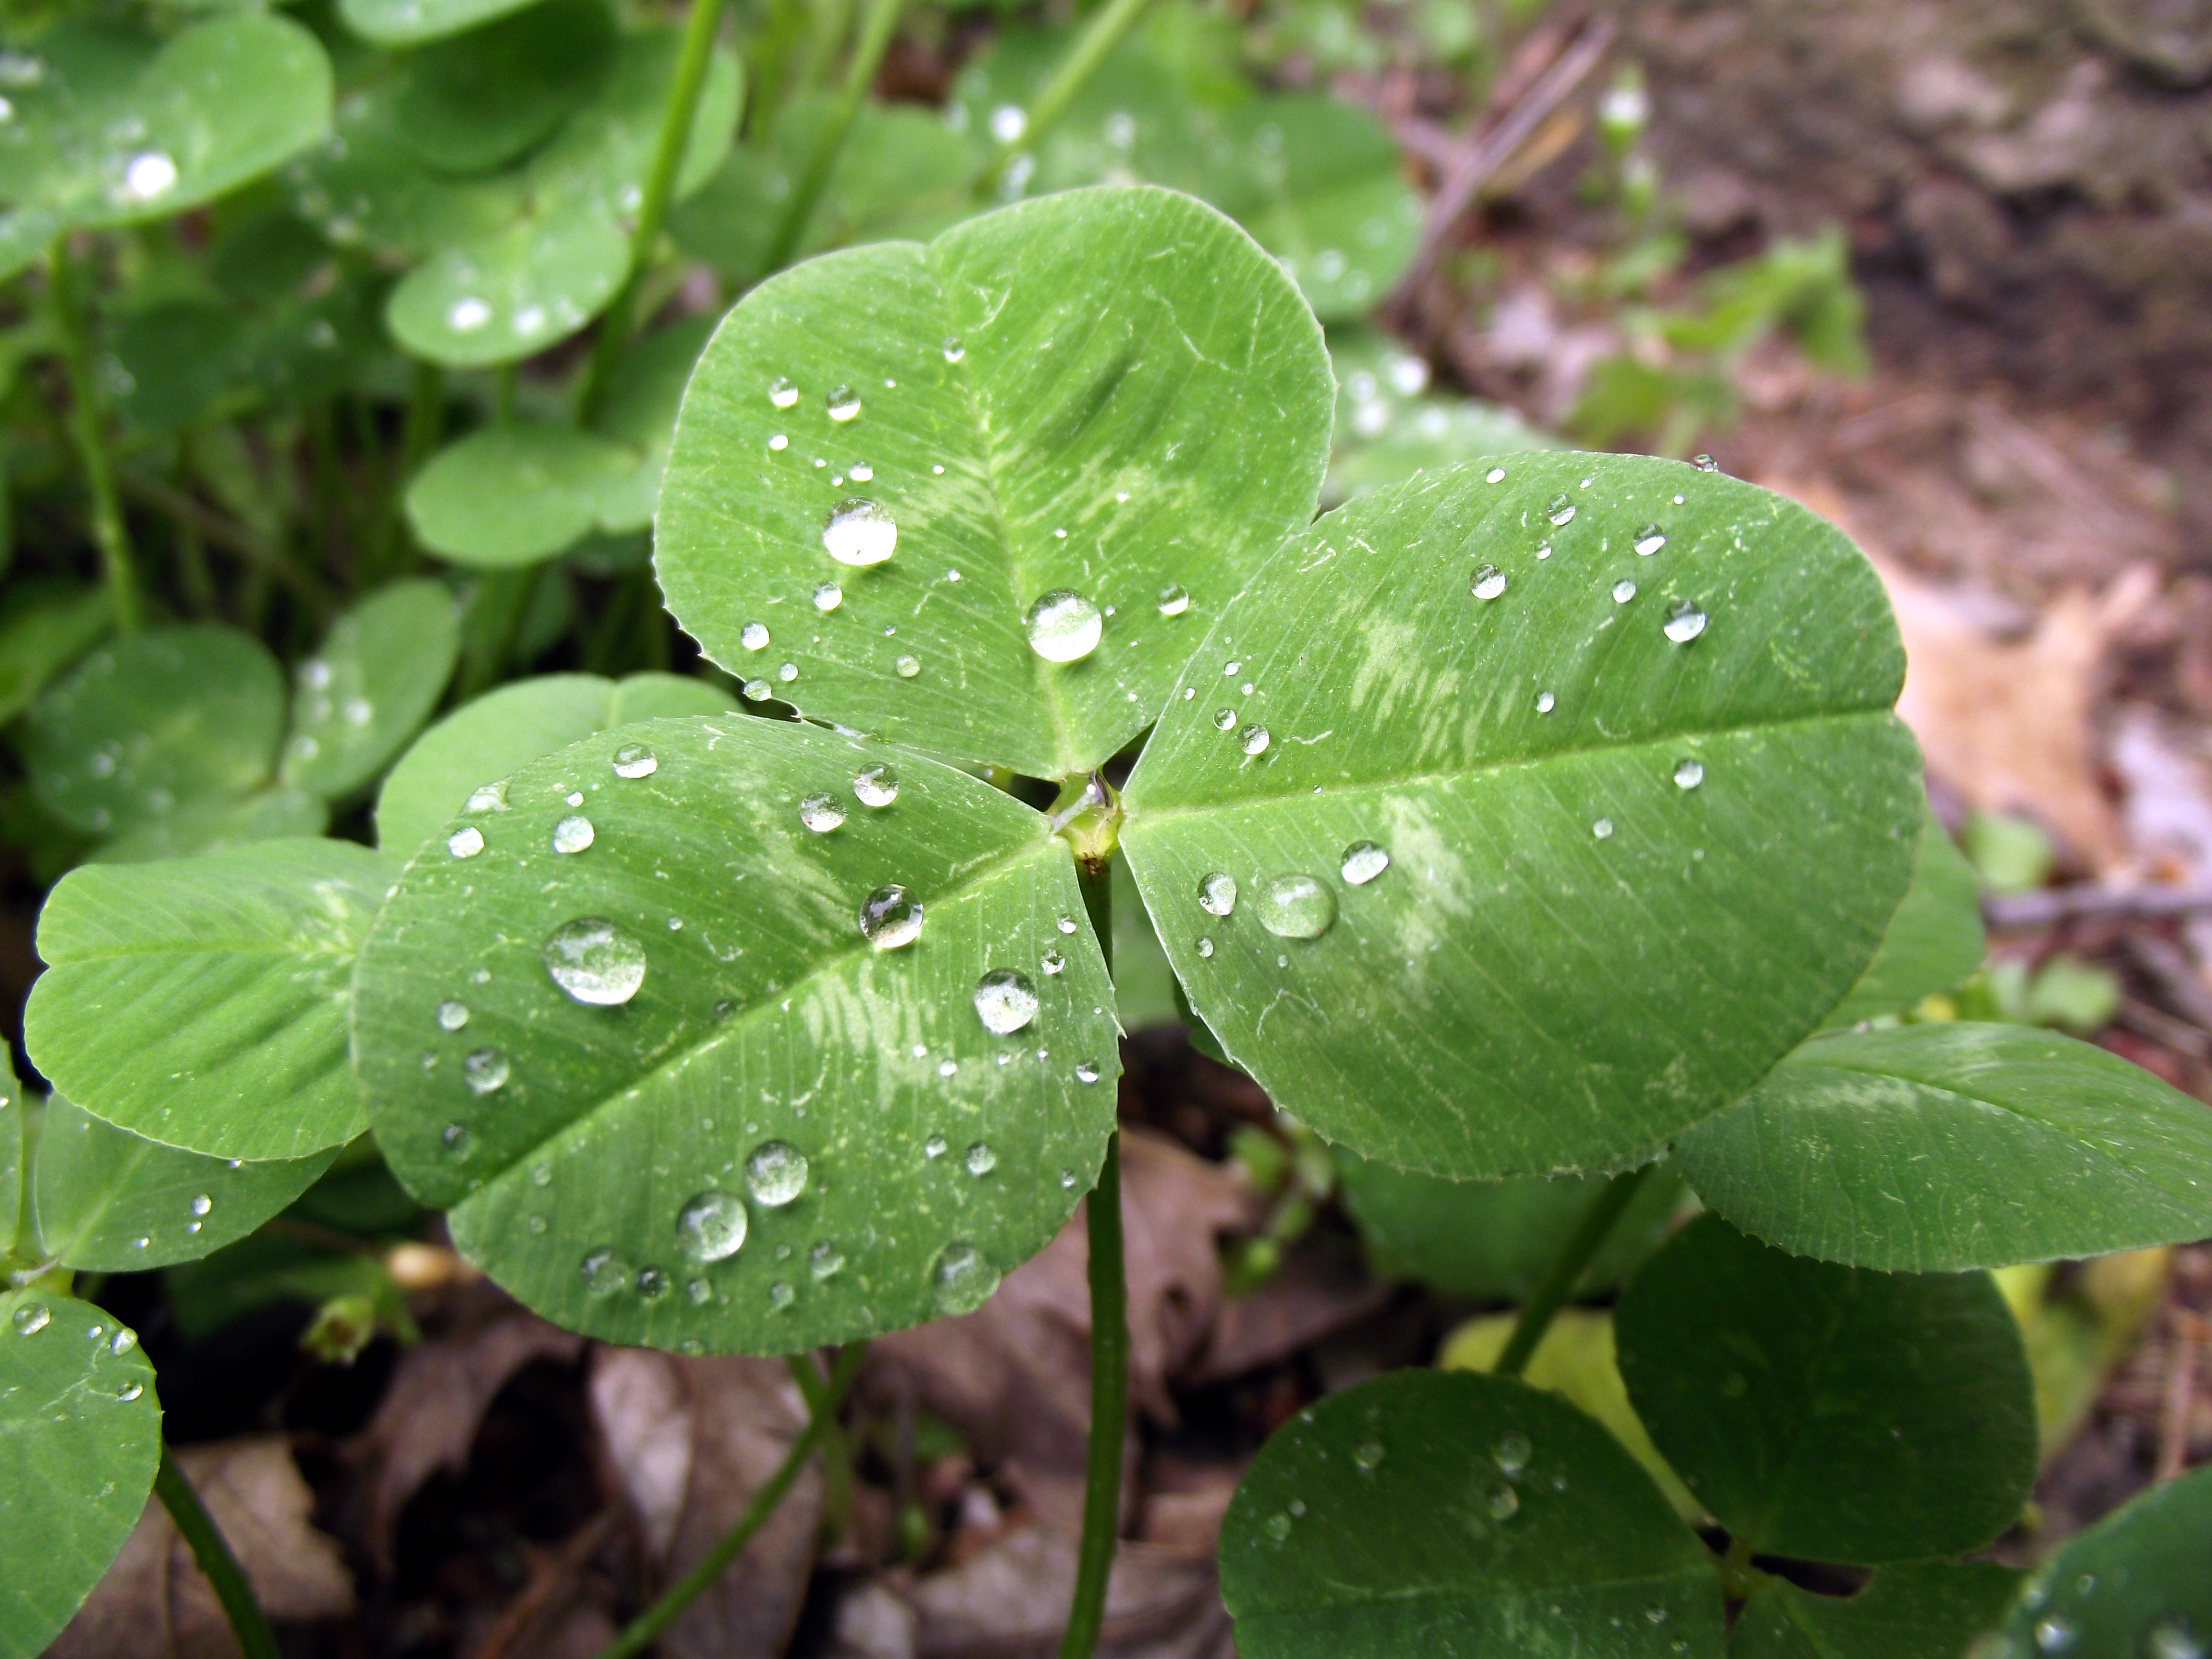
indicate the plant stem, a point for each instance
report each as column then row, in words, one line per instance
column 85, row 432
column 692, row 61
column 1109, row 1344
column 1567, row 1268
column 418, row 435
column 264, row 561
column 1074, row 73
column 221, row 1566
column 836, row 1453
column 876, row 30
column 640, row 1632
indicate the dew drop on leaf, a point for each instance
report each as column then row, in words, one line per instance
column 1512, row 1452
column 935, row 1146
column 1367, row 1454
column 32, row 1318
column 1066, row 923
column 875, row 785
column 828, row 596
column 2172, row 1638
column 954, row 351
column 1705, row 464
column 824, row 1260
column 781, row 1296
column 842, row 402
column 129, row 1390
column 1623, row 591
column 781, row 392
column 961, row 1279
column 862, row 472
column 1689, row 774
column 859, row 531
column 1063, row 626
column 1297, row 907
column 466, row 843
column 1500, row 1501
column 906, row 667
column 710, row 1227
column 487, row 798
column 757, row 691
column 2055, row 1633
column 1052, row 962
column 634, row 759
column 821, row 814
column 1277, row 1526
column 1496, row 475
column 572, row 834
column 1223, row 718
column 1253, row 739
column 1601, row 828
column 484, row 1070
column 595, row 962
column 1363, row 861
column 981, row 1159
column 1005, row 1001
column 1205, row 946
column 1489, row 582
column 775, row 1173
column 787, row 672
column 890, row 918
column 452, row 1015
column 605, row 1271
column 1085, row 1071
column 1649, row 540
column 1174, row 599
column 1217, row 893
column 700, row 1292
column 1561, row 510
column 1685, row 625
column 1546, row 702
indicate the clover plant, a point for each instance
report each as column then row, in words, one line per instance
column 1531, row 822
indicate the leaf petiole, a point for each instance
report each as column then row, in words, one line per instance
column 247, row 1622
column 1567, row 1268
column 108, row 533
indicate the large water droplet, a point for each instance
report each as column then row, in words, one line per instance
column 202, row 1204
column 1649, row 540
column 875, row 785
column 828, row 596
column 1686, row 624
column 1489, row 582
column 634, row 759
column 595, row 962
column 821, row 814
column 859, row 531
column 1297, row 907
column 981, row 1159
column 889, row 918
column 1005, row 1001
column 1512, row 1452
column 1174, row 599
column 1253, row 739
column 712, row 1226
column 466, row 843
column 1217, row 893
column 753, row 636
column 572, row 834
column 961, row 1279
column 781, row 392
column 1363, row 861
column 1063, row 626
column 1560, row 510
column 452, row 1015
column 605, row 1271
column 484, row 1070
column 1689, row 774
column 842, row 402
column 775, row 1173
column 32, row 1318
column 1066, row 923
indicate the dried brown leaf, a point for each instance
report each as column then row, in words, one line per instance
column 1011, row 1601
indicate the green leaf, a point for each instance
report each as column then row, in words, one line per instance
column 490, row 737
column 472, row 101
column 80, row 1438
column 109, row 126
column 405, row 22
column 640, row 411
column 1935, row 940
column 1442, row 1512
column 501, row 297
column 1826, row 1412
column 1626, row 874
column 155, row 721
column 1110, row 344
column 515, row 494
column 1946, row 1145
column 381, row 670
column 1389, row 426
column 202, row 1002
column 1917, row 1610
column 45, row 626
column 1494, row 1239
column 213, row 826
column 110, row 1201
column 2132, row 1587
column 606, row 148
column 740, row 1011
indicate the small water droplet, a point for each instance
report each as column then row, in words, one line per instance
column 781, row 392
column 775, row 1173
column 572, row 834
column 981, row 1159
column 484, row 1070
column 653, row 1283
column 1204, row 946
column 1649, row 540
column 1005, row 1001
column 605, row 1271
column 1277, row 1526
column 700, row 1292
column 1500, row 1501
column 787, row 671
column 961, row 1279
column 1223, row 718
column 757, row 691
column 947, row 1067
column 821, row 814
column 541, row 1174
column 129, row 1390
column 634, row 759
column 1496, row 475
column 32, row 1318
column 828, row 596
column 1174, row 599
column 859, row 531
column 595, row 962
column 466, row 843
column 1560, row 510
column 1601, row 828
column 1297, row 907
column 2055, row 1633
column 1689, row 774
column 711, row 1226
column 875, row 785
column 1063, row 626
column 1363, row 861
column 1512, row 1452
column 1217, row 893
column 889, row 919
column 1253, row 739
column 862, row 472
column 1546, row 702
column 1066, row 923
column 2172, row 1638
column 1655, row 1615
column 1623, row 591
column 456, row 1139
column 824, row 1260
column 1489, row 582
column 1686, row 624
column 1085, row 1071
column 467, row 314
column 1052, row 962
column 842, row 402
column 125, row 1339
column 908, row 667
column 1368, row 1453
column 452, row 1015
column 954, row 351
column 1705, row 464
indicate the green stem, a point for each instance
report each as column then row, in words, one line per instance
column 247, row 1622
column 1109, row 1344
column 503, row 379
column 85, row 432
column 1074, row 73
column 418, row 435
column 877, row 27
column 836, row 1452
column 1567, row 1269
column 772, row 46
column 638, row 1634
column 693, row 60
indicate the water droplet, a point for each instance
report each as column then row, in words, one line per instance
column 875, row 785
column 888, row 919
column 1063, row 626
column 467, row 315
column 125, row 1339
column 1297, row 907
column 1705, row 464
column 1489, row 582
column 1689, row 774
column 1067, row 1179
column 712, row 1226
column 595, row 962
column 908, row 667
column 1544, row 551
column 1253, row 739
column 1085, row 1072
column 757, row 691
column 787, row 671
column 466, row 843
column 1623, row 591
column 1512, row 1452
column 1277, row 1526
column 2056, row 1634
column 954, row 351
column 487, row 798
column 1217, row 893
column 1204, row 946
column 456, row 1139
column 775, row 1173
column 129, row 1390
column 824, row 1260
column 452, row 1015
column 753, row 636
column 862, row 472
column 1649, row 540
column 961, row 1278
column 1601, row 828
column 947, row 1067
column 1546, row 702
column 1363, row 861
column 981, row 1159
column 1066, row 923
column 1686, row 624
column 1174, row 599
column 1005, row 1001
column 1561, row 511
column 1052, row 962
column 653, row 1283
column 828, row 596
column 484, row 1070
column 1500, row 1501
column 572, row 834
column 700, row 1292
column 1367, row 1454
column 634, row 759
column 1223, row 718
column 1655, row 1615
column 32, row 1318
column 842, row 402
column 1496, row 475
column 605, row 1271
column 781, row 392
column 821, row 814
column 2172, row 1638
column 859, row 531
